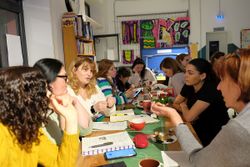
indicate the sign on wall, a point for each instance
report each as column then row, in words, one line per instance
column 245, row 38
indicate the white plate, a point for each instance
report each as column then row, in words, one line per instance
column 170, row 140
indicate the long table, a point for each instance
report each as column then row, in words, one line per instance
column 153, row 150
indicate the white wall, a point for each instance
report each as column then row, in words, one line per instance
column 42, row 20
column 202, row 13
column 37, row 21
column 236, row 15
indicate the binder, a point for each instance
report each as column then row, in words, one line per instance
column 101, row 144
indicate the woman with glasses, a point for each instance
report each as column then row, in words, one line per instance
column 56, row 76
column 82, row 79
column 24, row 108
column 231, row 146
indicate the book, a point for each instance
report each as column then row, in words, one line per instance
column 127, row 115
column 104, row 143
column 122, row 115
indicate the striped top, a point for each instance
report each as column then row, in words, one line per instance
column 106, row 88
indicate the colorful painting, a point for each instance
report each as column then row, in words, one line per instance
column 130, row 32
column 147, row 33
column 128, row 56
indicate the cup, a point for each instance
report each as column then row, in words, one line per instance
column 137, row 124
column 149, row 162
column 146, row 105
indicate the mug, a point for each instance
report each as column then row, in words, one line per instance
column 137, row 124
column 149, row 162
column 146, row 105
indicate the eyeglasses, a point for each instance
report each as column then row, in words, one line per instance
column 65, row 77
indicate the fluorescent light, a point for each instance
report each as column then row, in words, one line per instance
column 164, row 51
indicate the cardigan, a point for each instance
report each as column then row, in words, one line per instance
column 230, row 148
column 45, row 153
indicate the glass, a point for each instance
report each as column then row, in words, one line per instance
column 65, row 77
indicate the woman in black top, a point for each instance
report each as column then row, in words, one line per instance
column 200, row 102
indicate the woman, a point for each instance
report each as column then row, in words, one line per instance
column 82, row 73
column 176, row 76
column 23, row 111
column 183, row 59
column 105, row 75
column 200, row 102
column 121, row 79
column 55, row 74
column 231, row 146
column 141, row 75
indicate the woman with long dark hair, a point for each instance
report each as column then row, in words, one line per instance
column 57, row 78
column 231, row 146
column 140, row 74
column 200, row 102
column 23, row 112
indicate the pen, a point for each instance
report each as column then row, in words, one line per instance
column 100, row 145
column 120, row 114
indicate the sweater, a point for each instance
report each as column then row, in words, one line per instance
column 230, row 148
column 106, row 88
column 45, row 153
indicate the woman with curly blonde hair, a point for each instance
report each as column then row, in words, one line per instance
column 82, row 79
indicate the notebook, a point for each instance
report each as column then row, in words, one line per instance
column 121, row 115
column 175, row 159
column 104, row 143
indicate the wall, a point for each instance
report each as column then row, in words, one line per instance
column 37, row 21
column 202, row 13
column 43, row 20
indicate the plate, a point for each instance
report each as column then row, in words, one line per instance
column 170, row 140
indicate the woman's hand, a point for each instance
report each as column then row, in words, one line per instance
column 65, row 108
column 100, row 106
column 110, row 101
column 130, row 93
column 163, row 110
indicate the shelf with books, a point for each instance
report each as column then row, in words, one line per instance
column 77, row 38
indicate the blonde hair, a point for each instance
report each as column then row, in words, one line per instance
column 73, row 81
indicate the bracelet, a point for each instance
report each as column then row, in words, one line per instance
column 92, row 109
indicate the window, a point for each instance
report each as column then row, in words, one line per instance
column 11, row 22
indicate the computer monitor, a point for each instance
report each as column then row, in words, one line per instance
column 154, row 57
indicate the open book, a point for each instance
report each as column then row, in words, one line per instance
column 104, row 143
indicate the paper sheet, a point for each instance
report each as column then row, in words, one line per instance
column 15, row 56
column 110, row 125
column 175, row 159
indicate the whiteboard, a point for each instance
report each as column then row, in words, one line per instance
column 15, row 56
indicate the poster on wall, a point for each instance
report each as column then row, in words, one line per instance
column 245, row 38
column 130, row 32
column 149, row 33
column 173, row 32
column 164, row 33
column 127, row 56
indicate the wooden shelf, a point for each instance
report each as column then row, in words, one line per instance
column 75, row 42
column 85, row 54
column 84, row 39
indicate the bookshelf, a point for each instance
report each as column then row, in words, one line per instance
column 77, row 38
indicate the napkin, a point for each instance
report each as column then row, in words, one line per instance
column 167, row 161
column 175, row 159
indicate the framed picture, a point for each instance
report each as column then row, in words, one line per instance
column 107, row 47
column 245, row 38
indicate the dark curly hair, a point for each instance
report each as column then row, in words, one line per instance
column 23, row 104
